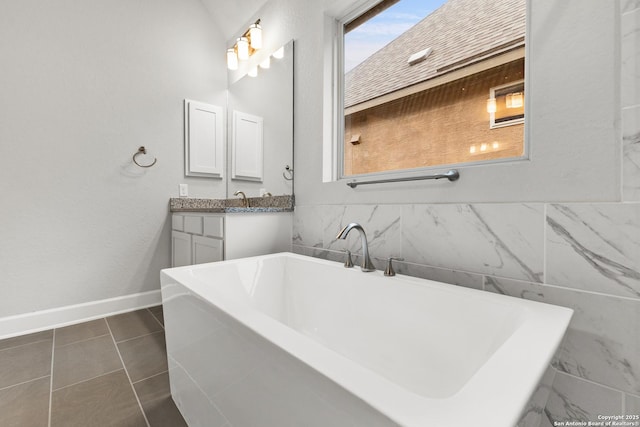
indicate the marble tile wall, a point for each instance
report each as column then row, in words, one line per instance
column 630, row 79
column 582, row 256
column 585, row 256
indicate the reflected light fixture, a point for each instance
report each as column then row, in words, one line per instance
column 232, row 59
column 491, row 105
column 253, row 72
column 279, row 54
column 245, row 46
column 266, row 63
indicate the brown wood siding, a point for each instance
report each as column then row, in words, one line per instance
column 434, row 127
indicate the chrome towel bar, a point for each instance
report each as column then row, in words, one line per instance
column 451, row 175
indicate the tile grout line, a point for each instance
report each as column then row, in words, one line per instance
column 23, row 382
column 22, row 345
column 156, row 319
column 85, row 339
column 127, row 374
column 592, row 382
column 53, row 355
column 88, row 379
column 139, row 336
column 152, row 376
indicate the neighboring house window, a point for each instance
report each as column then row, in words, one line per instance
column 506, row 105
column 434, row 93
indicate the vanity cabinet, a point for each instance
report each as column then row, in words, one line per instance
column 198, row 238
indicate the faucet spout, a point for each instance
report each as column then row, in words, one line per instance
column 245, row 202
column 367, row 265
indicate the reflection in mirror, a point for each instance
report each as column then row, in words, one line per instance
column 260, row 128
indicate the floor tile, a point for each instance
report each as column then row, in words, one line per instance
column 104, row 401
column 155, row 396
column 84, row 360
column 26, row 339
column 25, row 405
column 144, row 357
column 158, row 313
column 25, row 363
column 134, row 324
column 81, row 332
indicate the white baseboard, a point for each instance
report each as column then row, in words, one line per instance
column 27, row 323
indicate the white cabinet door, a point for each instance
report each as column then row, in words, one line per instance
column 180, row 249
column 247, row 153
column 206, row 249
column 204, row 139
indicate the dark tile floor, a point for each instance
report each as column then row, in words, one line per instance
column 106, row 372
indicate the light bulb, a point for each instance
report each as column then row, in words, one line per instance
column 243, row 48
column 253, row 72
column 266, row 63
column 232, row 59
column 483, row 147
column 495, row 145
column 255, row 34
column 472, row 149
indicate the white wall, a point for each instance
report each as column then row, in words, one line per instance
column 84, row 84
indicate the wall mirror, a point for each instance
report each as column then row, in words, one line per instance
column 260, row 128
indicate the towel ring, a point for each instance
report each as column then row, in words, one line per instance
column 288, row 171
column 142, row 150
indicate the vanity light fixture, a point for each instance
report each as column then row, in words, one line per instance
column 266, row 63
column 255, row 35
column 253, row 72
column 242, row 44
column 245, row 46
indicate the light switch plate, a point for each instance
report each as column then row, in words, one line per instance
column 184, row 190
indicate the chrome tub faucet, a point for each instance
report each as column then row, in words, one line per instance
column 367, row 265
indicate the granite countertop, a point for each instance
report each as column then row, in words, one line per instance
column 257, row 204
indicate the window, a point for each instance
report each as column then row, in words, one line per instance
column 506, row 104
column 427, row 84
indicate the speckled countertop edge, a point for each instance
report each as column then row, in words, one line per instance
column 257, row 204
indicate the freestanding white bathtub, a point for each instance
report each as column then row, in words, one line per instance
column 288, row 340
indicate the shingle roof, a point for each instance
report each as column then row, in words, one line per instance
column 457, row 31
